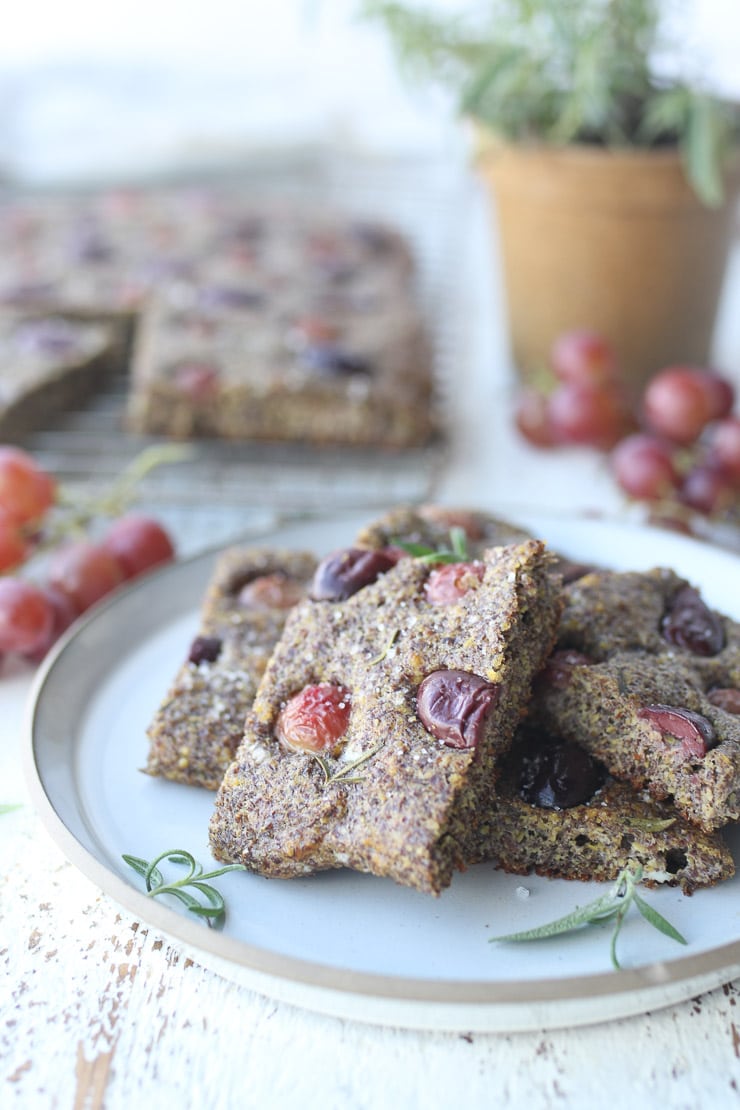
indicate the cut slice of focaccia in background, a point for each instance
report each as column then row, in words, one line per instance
column 49, row 361
column 373, row 738
column 646, row 678
column 200, row 723
column 557, row 812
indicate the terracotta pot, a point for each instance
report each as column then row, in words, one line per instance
column 611, row 240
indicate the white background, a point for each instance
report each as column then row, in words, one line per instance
column 89, row 88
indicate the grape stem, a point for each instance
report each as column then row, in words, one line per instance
column 78, row 515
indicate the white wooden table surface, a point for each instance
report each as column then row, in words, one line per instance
column 98, row 1010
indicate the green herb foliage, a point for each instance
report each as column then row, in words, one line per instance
column 457, row 552
column 565, row 71
column 612, row 906
column 8, row 808
column 201, row 899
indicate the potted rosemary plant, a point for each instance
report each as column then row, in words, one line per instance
column 614, row 185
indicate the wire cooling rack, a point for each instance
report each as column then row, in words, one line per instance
column 228, row 486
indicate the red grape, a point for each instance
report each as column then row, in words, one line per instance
column 315, row 720
column 14, row 549
column 271, row 591
column 707, row 489
column 85, row 572
column 532, row 418
column 588, row 415
column 448, row 583
column 723, row 445
column 63, row 612
column 25, row 616
column 26, row 491
column 720, row 391
column 314, row 329
column 583, row 357
column 395, row 554
column 644, row 467
column 198, row 381
column 138, row 543
column 678, row 403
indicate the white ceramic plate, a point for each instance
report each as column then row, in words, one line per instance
column 345, row 943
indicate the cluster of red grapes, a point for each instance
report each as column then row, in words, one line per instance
column 584, row 402
column 33, row 614
column 679, row 447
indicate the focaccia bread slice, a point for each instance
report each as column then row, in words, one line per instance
column 645, row 676
column 431, row 525
column 198, row 727
column 196, row 731
column 557, row 812
column 373, row 738
column 306, row 327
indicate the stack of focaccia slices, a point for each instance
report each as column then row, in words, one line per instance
column 392, row 790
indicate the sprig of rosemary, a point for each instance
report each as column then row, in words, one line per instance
column 457, row 552
column 565, row 71
column 214, row 907
column 344, row 774
column 612, row 906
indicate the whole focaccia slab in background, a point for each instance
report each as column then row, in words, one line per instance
column 251, row 318
column 294, row 325
column 431, row 694
column 200, row 723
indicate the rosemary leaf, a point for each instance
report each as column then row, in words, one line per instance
column 140, row 866
column 582, row 915
column 457, row 552
column 702, row 150
column 657, row 920
column 182, row 896
column 384, row 651
column 459, row 543
column 324, row 765
column 437, row 558
column 650, row 824
column 415, row 549
column 619, row 921
column 216, row 905
column 222, row 870
column 8, row 808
